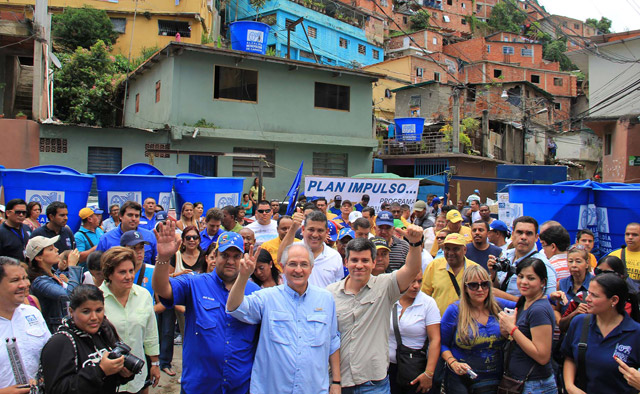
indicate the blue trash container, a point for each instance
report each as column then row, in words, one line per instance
column 46, row 184
column 409, row 129
column 249, row 36
column 615, row 207
column 212, row 192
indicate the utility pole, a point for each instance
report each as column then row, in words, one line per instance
column 524, row 124
column 455, row 138
column 39, row 24
column 485, row 133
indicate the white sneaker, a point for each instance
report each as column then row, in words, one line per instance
column 178, row 340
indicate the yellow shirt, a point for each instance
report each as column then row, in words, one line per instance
column 633, row 262
column 272, row 246
column 436, row 282
column 464, row 231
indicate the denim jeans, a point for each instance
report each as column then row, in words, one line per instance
column 370, row 387
column 542, row 386
column 456, row 384
column 166, row 327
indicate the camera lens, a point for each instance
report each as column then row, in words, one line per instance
column 133, row 364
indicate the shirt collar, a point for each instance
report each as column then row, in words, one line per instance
column 626, row 325
column 107, row 291
column 294, row 294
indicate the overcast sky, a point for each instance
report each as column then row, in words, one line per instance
column 625, row 14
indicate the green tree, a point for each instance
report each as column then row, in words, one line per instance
column 554, row 52
column 506, row 16
column 82, row 27
column 86, row 86
column 420, row 20
column 603, row 25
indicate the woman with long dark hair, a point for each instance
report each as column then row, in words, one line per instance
column 34, row 209
column 76, row 358
column 611, row 334
column 266, row 274
column 529, row 353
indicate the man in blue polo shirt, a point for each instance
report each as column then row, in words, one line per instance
column 221, row 349
column 212, row 230
column 129, row 220
column 148, row 215
column 89, row 234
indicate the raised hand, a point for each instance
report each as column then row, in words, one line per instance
column 298, row 218
column 73, row 258
column 248, row 262
column 412, row 233
column 166, row 238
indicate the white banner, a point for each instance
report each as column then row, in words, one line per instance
column 508, row 211
column 402, row 191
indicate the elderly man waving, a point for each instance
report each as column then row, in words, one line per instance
column 299, row 332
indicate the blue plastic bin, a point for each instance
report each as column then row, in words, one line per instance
column 46, row 184
column 616, row 207
column 212, row 192
column 567, row 204
column 134, row 183
column 409, row 129
column 249, row 36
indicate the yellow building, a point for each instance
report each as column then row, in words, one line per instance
column 156, row 21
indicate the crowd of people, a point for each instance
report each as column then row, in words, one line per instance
column 337, row 297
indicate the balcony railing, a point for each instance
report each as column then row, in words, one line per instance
column 429, row 144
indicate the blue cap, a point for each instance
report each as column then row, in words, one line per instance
column 499, row 225
column 230, row 239
column 385, row 218
column 435, row 200
column 161, row 216
column 346, row 232
column 132, row 238
column 333, row 232
column 476, row 191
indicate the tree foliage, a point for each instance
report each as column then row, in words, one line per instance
column 82, row 27
column 506, row 16
column 603, row 25
column 420, row 20
column 467, row 126
column 86, row 86
column 554, row 52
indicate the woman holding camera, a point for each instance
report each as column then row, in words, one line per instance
column 130, row 308
column 76, row 358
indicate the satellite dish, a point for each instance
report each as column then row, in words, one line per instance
column 55, row 60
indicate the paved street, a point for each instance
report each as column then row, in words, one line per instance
column 168, row 384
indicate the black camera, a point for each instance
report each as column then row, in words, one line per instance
column 503, row 264
column 131, row 362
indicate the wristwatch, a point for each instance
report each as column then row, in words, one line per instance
column 419, row 243
column 155, row 363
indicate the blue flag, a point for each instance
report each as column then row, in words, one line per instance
column 292, row 196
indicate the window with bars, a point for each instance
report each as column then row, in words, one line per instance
column 330, row 164
column 313, row 32
column 557, row 81
column 375, row 53
column 156, row 146
column 119, row 24
column 507, row 50
column 250, row 167
column 53, row 145
column 171, row 28
column 343, row 43
column 362, row 49
column 332, row 96
column 526, row 52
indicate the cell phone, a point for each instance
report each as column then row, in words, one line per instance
column 24, row 386
column 509, row 311
column 472, row 374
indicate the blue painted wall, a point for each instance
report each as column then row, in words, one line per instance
column 326, row 44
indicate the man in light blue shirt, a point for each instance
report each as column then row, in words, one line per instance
column 299, row 338
column 524, row 237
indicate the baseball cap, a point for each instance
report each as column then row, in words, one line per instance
column 385, row 218
column 345, row 202
column 455, row 239
column 380, row 243
column 85, row 213
column 476, row 191
column 333, row 232
column 230, row 240
column 435, row 201
column 454, row 216
column 499, row 225
column 132, row 238
column 161, row 216
column 354, row 215
column 346, row 232
column 419, row 206
column 37, row 244
column 337, row 198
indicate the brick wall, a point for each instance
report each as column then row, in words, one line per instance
column 423, row 38
column 469, row 51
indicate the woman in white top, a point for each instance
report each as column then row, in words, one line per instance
column 430, row 233
column 418, row 319
column 187, row 217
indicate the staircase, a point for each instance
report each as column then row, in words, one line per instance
column 24, row 90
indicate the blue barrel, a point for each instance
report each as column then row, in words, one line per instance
column 46, row 184
column 249, row 36
column 567, row 204
column 616, row 207
column 134, row 183
column 212, row 192
column 409, row 129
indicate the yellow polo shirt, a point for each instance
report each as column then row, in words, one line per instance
column 633, row 262
column 436, row 282
column 272, row 246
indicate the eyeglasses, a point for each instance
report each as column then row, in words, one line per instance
column 264, row 210
column 23, row 213
column 293, row 265
column 474, row 286
column 191, row 237
column 599, row 271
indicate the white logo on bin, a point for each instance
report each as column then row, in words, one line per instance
column 44, row 197
column 224, row 199
column 255, row 40
column 164, row 199
column 122, row 197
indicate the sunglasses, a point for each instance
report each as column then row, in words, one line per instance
column 597, row 271
column 264, row 210
column 474, row 286
column 191, row 237
column 24, row 213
